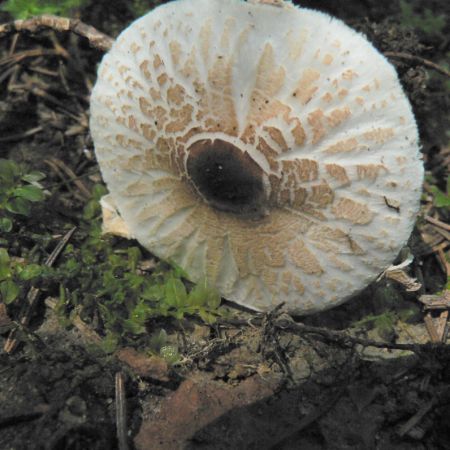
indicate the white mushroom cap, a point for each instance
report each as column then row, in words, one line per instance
column 269, row 149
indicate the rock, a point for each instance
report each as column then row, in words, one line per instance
column 74, row 412
column 143, row 365
column 198, row 402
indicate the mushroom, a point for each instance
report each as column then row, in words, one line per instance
column 266, row 148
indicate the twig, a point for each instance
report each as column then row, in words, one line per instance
column 436, row 301
column 90, row 173
column 414, row 420
column 72, row 176
column 35, row 53
column 341, row 337
column 418, row 59
column 13, row 46
column 215, row 346
column 285, row 322
column 96, row 38
column 6, row 73
column 38, row 92
column 5, row 321
column 64, row 181
column 437, row 222
column 43, row 71
column 89, row 335
column 121, row 412
column 19, row 137
column 442, row 328
column 442, row 258
column 32, row 296
column 432, row 331
column 19, row 419
column 269, row 340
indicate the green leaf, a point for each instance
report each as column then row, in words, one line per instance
column 9, row 170
column 33, row 177
column 19, row 205
column 178, row 314
column 72, row 267
column 203, row 295
column 5, row 268
column 110, row 342
column 8, row 291
column 133, row 327
column 175, row 293
column 214, row 298
column 105, row 313
column 5, row 272
column 30, row 193
column 91, row 210
column 4, row 257
column 98, row 191
column 207, row 316
column 134, row 256
column 134, row 281
column 178, row 272
column 198, row 295
column 153, row 292
column 30, row 271
column 441, row 200
column 5, row 224
column 140, row 313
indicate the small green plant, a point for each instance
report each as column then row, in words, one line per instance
column 441, row 199
column 19, row 189
column 9, row 290
column 13, row 274
column 24, row 9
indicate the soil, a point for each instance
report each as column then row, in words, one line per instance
column 251, row 381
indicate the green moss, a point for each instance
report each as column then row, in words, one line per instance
column 24, row 9
column 384, row 324
column 441, row 199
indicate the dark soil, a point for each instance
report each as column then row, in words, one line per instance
column 319, row 392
